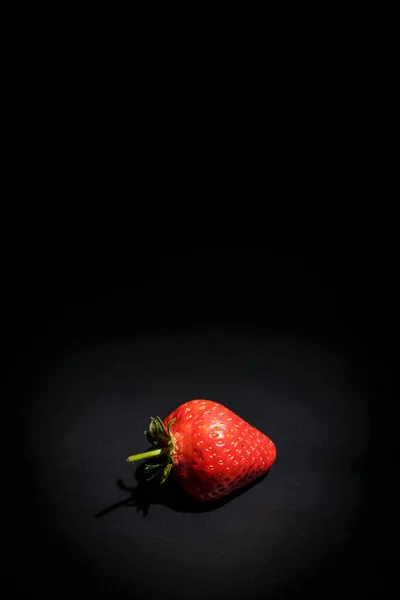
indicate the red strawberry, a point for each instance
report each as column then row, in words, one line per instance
column 211, row 450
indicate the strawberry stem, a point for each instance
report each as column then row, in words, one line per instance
column 147, row 454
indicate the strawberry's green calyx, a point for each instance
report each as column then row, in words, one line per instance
column 162, row 444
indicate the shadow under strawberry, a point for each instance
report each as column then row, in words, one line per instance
column 146, row 493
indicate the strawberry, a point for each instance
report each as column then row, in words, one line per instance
column 211, row 450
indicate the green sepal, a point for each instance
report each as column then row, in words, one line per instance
column 166, row 472
column 150, row 467
column 150, row 437
column 170, row 423
column 153, row 475
column 156, row 433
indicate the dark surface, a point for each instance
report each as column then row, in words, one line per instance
column 296, row 346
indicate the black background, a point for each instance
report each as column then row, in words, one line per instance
column 299, row 346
